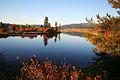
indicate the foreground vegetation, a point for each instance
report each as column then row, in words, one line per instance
column 103, row 67
column 49, row 70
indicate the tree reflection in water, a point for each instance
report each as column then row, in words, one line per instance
column 9, row 71
column 46, row 37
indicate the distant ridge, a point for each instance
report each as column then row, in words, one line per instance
column 81, row 25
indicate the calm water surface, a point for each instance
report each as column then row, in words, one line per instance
column 75, row 49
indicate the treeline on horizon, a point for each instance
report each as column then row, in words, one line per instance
column 17, row 28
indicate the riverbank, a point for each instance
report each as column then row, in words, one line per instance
column 79, row 30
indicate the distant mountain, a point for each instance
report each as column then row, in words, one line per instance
column 36, row 25
column 81, row 25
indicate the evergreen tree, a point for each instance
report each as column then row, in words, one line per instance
column 1, row 24
column 46, row 22
column 115, row 3
column 56, row 28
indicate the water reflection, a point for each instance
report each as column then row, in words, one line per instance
column 46, row 37
column 76, row 50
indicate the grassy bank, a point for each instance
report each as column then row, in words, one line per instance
column 79, row 30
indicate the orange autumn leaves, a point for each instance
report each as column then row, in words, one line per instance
column 49, row 70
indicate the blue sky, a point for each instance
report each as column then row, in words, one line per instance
column 63, row 11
